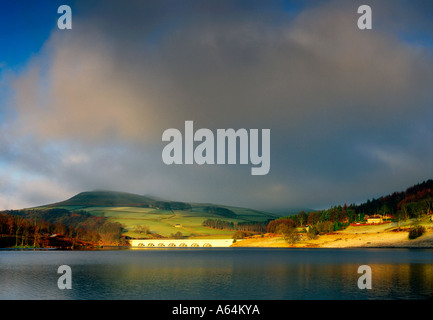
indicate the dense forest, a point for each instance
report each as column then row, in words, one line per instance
column 412, row 203
column 56, row 227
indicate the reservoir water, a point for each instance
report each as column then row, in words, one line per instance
column 217, row 273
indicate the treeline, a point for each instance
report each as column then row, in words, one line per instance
column 221, row 211
column 32, row 227
column 415, row 202
column 338, row 216
column 287, row 226
column 412, row 203
column 172, row 205
column 219, row 224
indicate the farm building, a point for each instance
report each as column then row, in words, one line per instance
column 374, row 219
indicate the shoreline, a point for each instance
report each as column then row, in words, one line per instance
column 352, row 237
column 347, row 239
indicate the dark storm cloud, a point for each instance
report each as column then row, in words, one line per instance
column 348, row 110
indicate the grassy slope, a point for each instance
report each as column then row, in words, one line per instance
column 384, row 235
column 164, row 222
column 128, row 210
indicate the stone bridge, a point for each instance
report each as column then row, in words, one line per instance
column 185, row 243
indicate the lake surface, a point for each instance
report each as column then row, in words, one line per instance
column 217, row 274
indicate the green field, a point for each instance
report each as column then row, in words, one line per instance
column 168, row 222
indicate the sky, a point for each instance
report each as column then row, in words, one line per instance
column 350, row 110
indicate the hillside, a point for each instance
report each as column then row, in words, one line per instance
column 143, row 217
column 389, row 235
column 415, row 202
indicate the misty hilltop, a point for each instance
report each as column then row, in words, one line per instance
column 106, row 198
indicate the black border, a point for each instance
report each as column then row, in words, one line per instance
column 163, row 309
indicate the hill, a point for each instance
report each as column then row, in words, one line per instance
column 143, row 217
column 103, row 199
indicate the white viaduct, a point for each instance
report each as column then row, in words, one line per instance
column 171, row 243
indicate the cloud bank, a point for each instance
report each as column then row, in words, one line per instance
column 349, row 110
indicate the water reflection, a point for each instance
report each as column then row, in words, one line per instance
column 218, row 274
